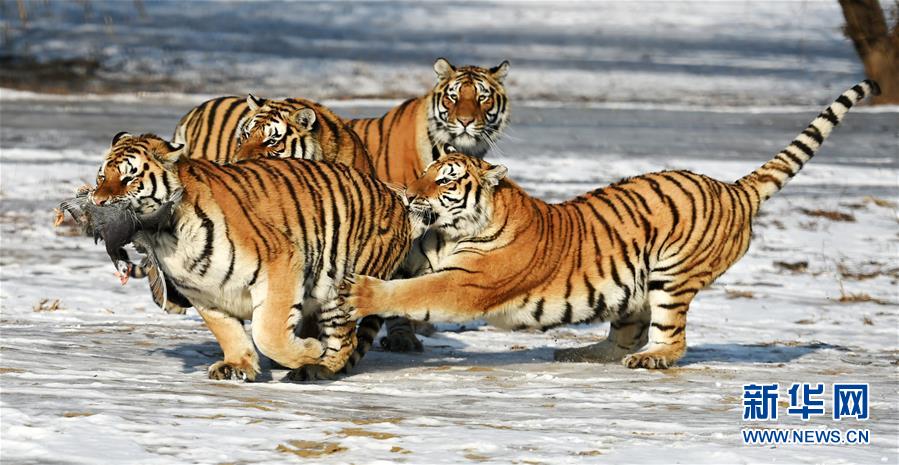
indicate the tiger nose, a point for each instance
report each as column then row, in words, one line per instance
column 466, row 120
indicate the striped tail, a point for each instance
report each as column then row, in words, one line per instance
column 368, row 330
column 772, row 176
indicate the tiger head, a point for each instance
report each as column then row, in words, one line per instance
column 455, row 194
column 275, row 128
column 140, row 170
column 469, row 109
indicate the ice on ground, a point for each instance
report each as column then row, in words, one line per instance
column 103, row 376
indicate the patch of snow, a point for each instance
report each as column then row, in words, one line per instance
column 109, row 378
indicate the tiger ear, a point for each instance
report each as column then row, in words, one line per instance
column 493, row 175
column 254, row 102
column 305, row 117
column 120, row 136
column 173, row 146
column 168, row 152
column 500, row 71
column 443, row 68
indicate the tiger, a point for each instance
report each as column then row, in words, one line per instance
column 262, row 239
column 228, row 129
column 467, row 111
column 634, row 253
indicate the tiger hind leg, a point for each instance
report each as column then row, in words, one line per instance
column 667, row 332
column 277, row 310
column 401, row 336
column 625, row 337
column 339, row 335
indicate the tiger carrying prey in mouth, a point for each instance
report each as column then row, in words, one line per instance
column 634, row 253
column 262, row 239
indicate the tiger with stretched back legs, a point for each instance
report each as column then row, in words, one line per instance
column 466, row 111
column 635, row 253
column 261, row 239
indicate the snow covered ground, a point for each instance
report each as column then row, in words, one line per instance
column 108, row 378
column 720, row 53
column 93, row 373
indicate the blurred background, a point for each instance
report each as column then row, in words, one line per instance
column 710, row 53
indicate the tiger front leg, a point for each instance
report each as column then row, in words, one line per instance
column 447, row 296
column 667, row 332
column 277, row 309
column 241, row 361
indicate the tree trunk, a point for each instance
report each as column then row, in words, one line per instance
column 876, row 44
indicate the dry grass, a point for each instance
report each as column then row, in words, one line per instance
column 848, row 297
column 372, row 421
column 832, row 215
column 845, row 273
column 475, row 457
column 310, row 449
column 480, row 369
column 734, row 294
column 795, row 267
column 879, row 202
column 47, row 305
column 359, row 432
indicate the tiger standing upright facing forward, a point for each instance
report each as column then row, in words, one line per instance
column 467, row 109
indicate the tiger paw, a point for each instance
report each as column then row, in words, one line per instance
column 359, row 295
column 310, row 373
column 174, row 309
column 403, row 341
column 225, row 371
column 650, row 360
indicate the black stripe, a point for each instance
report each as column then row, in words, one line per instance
column 805, row 148
column 538, row 312
column 210, row 121
column 844, row 100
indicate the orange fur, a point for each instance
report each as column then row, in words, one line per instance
column 634, row 253
column 408, row 137
column 263, row 239
column 212, row 131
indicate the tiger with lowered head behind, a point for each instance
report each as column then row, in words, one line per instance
column 261, row 239
column 634, row 253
